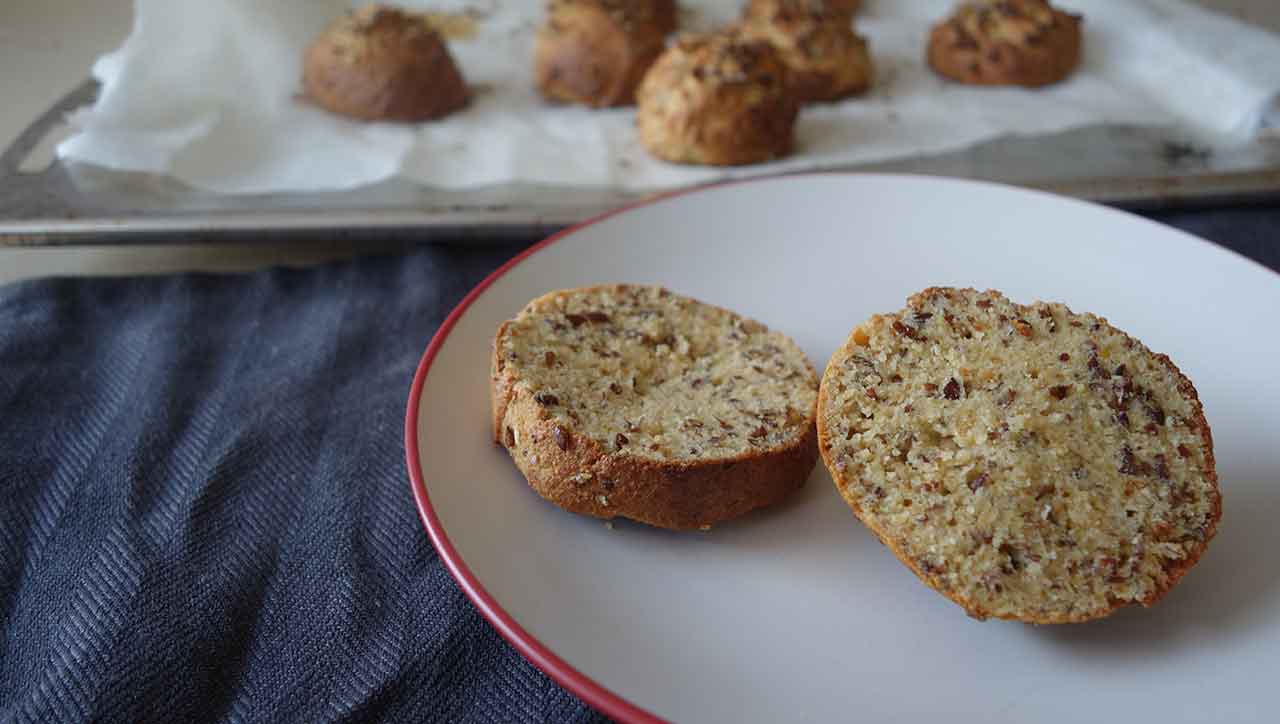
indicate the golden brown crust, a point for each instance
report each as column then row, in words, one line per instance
column 500, row 395
column 770, row 10
column 595, row 52
column 1176, row 572
column 383, row 64
column 1011, row 42
column 718, row 99
column 1174, row 569
column 575, row 472
column 584, row 478
column 827, row 60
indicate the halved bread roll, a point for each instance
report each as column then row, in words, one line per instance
column 633, row 401
column 1027, row 462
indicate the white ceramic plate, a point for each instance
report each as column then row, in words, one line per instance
column 797, row 613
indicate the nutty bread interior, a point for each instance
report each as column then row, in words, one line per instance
column 612, row 388
column 1028, row 462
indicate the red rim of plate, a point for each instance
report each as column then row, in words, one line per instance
column 595, row 695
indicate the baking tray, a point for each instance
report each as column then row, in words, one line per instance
column 74, row 203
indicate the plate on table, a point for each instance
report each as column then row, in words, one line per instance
column 797, row 613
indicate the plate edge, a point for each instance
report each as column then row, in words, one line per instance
column 593, row 693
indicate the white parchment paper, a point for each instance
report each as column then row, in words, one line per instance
column 208, row 92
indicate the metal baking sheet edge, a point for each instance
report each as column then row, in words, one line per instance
column 74, row 204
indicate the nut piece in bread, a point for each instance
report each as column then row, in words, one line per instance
column 718, row 99
column 827, row 59
column 1006, row 42
column 1027, row 462
column 635, row 402
column 595, row 52
column 380, row 63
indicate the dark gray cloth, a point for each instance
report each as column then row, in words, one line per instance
column 204, row 510
column 1251, row 231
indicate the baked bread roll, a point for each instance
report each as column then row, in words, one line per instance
column 718, row 99
column 595, row 52
column 1006, row 42
column 767, row 10
column 635, row 402
column 1027, row 462
column 827, row 59
column 383, row 64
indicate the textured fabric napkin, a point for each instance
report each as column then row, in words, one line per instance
column 206, row 514
column 207, row 92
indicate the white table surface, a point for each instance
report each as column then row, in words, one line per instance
column 46, row 49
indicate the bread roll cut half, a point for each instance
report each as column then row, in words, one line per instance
column 634, row 402
column 1028, row 462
